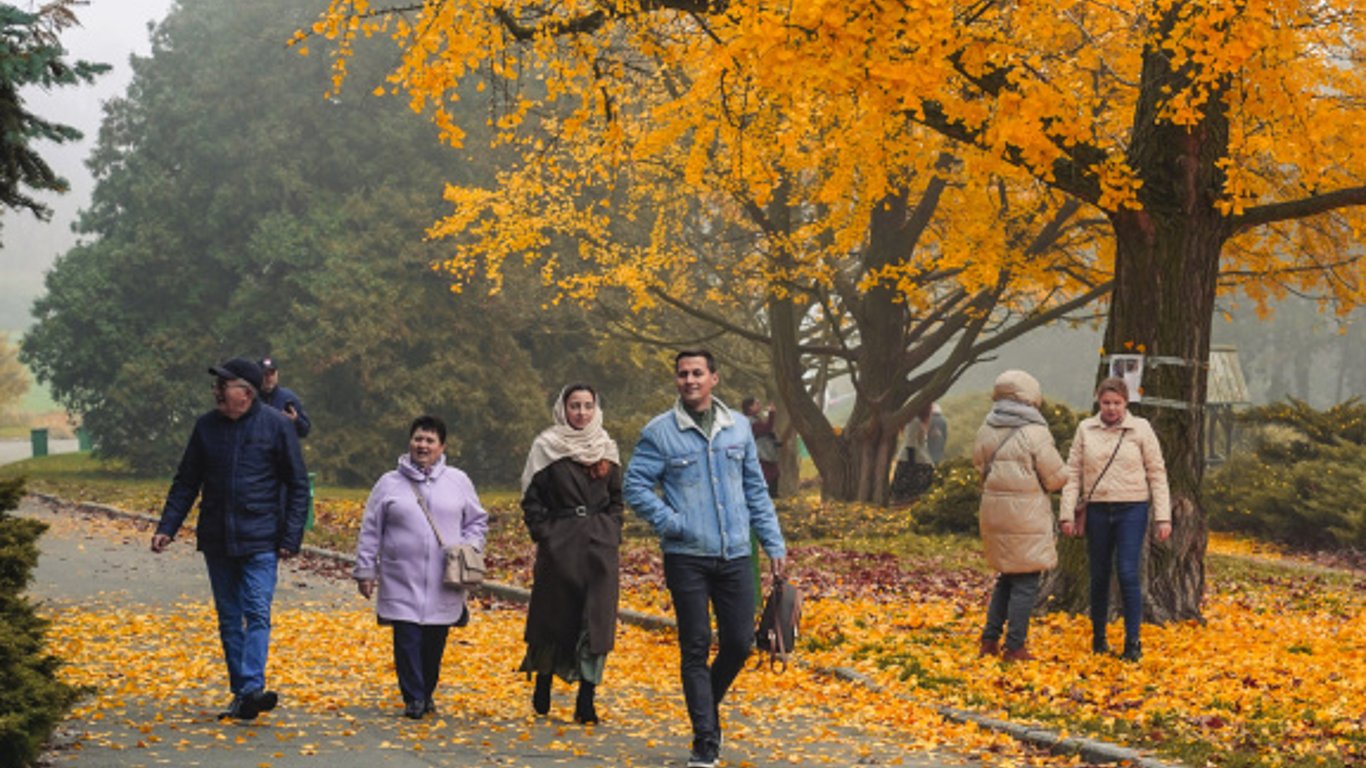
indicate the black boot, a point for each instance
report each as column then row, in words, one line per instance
column 540, row 698
column 584, row 712
column 1133, row 651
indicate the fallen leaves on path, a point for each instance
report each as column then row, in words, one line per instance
column 149, row 668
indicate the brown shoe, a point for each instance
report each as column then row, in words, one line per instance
column 989, row 648
column 1017, row 654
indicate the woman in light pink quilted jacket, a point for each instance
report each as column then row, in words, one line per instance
column 1117, row 469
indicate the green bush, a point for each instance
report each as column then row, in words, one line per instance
column 32, row 699
column 1302, row 481
column 950, row 506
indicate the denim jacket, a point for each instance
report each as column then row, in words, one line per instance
column 713, row 491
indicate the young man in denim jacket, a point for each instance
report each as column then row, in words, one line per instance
column 702, row 458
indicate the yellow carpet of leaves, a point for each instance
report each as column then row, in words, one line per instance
column 338, row 662
column 1277, row 671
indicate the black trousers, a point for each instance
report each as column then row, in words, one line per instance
column 417, row 658
column 697, row 584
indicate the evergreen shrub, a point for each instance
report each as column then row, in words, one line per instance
column 1300, row 482
column 32, row 699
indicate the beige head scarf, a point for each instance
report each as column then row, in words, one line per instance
column 586, row 446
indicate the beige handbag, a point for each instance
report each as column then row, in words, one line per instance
column 463, row 563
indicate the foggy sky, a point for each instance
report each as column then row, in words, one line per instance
column 110, row 32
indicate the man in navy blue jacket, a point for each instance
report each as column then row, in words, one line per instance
column 281, row 398
column 245, row 458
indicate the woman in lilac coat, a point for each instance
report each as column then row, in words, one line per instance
column 399, row 552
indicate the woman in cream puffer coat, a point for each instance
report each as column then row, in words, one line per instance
column 1020, row 466
column 1117, row 468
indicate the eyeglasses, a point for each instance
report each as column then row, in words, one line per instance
column 221, row 384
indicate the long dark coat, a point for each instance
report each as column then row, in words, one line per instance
column 576, row 578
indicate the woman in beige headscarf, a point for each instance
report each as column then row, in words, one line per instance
column 571, row 503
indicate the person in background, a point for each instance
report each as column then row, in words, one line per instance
column 713, row 496
column 1118, row 471
column 765, row 440
column 571, row 504
column 939, row 435
column 914, row 472
column 281, row 398
column 245, row 459
column 399, row 555
column 1020, row 467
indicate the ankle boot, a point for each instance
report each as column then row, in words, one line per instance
column 1017, row 654
column 584, row 711
column 1132, row 651
column 540, row 698
column 989, row 648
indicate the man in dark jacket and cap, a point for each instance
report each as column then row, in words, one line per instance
column 245, row 459
column 281, row 398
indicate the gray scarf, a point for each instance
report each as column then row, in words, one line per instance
column 1013, row 413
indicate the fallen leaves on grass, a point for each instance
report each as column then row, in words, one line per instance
column 1273, row 672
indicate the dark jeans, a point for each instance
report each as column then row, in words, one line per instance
column 1012, row 601
column 243, row 588
column 1114, row 540
column 417, row 658
column 728, row 585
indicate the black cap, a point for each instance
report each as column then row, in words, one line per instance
column 268, row 363
column 239, row 368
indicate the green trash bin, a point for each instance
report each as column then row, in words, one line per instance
column 308, row 525
column 39, row 439
column 82, row 438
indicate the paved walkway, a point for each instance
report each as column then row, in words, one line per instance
column 101, row 584
column 18, row 450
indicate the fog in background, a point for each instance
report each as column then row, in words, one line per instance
column 110, row 32
column 1300, row 352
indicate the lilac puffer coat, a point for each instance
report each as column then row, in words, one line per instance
column 398, row 547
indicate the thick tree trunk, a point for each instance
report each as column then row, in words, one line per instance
column 1166, row 273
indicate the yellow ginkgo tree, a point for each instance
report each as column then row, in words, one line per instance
column 899, row 283
column 1215, row 140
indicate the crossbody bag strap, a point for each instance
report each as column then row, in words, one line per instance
column 986, row 468
column 1107, row 466
column 422, row 502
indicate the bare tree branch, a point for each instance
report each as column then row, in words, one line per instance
column 1297, row 209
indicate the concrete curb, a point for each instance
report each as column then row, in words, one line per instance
column 1089, row 749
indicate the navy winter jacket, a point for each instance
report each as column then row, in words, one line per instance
column 255, row 486
column 284, row 396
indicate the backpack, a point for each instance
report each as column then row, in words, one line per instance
column 777, row 630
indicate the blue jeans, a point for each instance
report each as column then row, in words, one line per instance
column 243, row 588
column 1012, row 601
column 1114, row 540
column 694, row 582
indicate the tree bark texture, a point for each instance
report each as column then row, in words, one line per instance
column 1166, row 275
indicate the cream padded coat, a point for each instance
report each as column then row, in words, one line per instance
column 1016, row 517
column 1137, row 474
